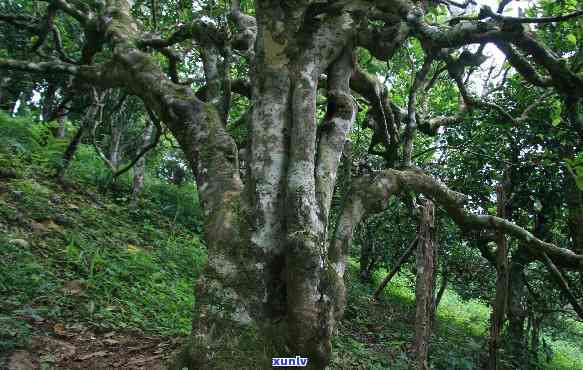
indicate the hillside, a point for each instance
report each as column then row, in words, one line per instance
column 85, row 279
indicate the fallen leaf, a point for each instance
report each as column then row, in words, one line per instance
column 74, row 287
column 59, row 329
column 132, row 248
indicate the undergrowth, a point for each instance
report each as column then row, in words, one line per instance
column 378, row 335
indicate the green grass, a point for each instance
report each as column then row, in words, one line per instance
column 130, row 268
column 83, row 255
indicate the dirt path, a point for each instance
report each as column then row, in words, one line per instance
column 76, row 347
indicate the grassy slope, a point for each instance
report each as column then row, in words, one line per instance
column 79, row 257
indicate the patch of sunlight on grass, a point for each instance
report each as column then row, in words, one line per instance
column 471, row 314
column 399, row 288
column 566, row 356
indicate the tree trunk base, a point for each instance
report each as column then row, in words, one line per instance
column 229, row 333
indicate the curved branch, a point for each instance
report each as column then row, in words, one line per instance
column 82, row 16
column 453, row 204
column 500, row 33
column 370, row 194
column 199, row 30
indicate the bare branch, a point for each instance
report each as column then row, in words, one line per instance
column 81, row 15
column 486, row 12
column 522, row 65
column 563, row 284
column 411, row 128
column 100, row 75
column 370, row 194
column 408, row 252
column 465, row 33
column 147, row 148
column 41, row 67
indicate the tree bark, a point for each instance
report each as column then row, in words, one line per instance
column 4, row 95
column 535, row 333
column 48, row 103
column 140, row 166
column 115, row 145
column 499, row 304
column 517, row 311
column 425, row 286
column 563, row 284
column 367, row 255
column 62, row 128
column 574, row 197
